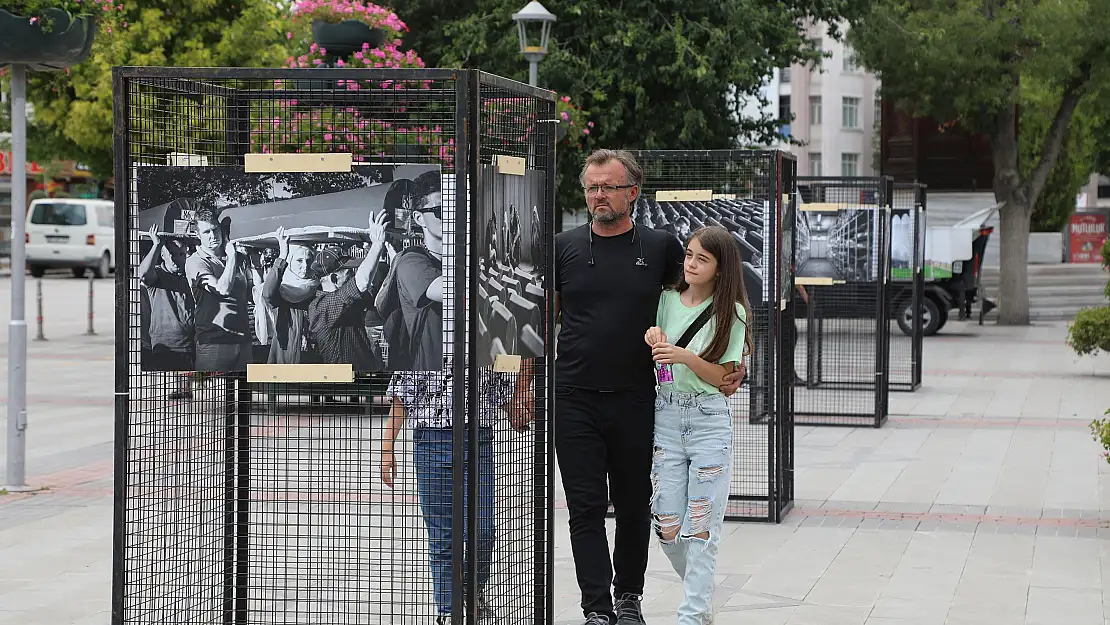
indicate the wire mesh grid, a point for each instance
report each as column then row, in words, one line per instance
column 843, row 269
column 749, row 194
column 907, row 286
column 270, row 503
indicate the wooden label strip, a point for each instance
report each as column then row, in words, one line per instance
column 291, row 374
column 687, row 195
column 268, row 163
column 511, row 165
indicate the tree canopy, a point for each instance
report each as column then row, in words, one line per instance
column 966, row 61
column 73, row 109
column 651, row 74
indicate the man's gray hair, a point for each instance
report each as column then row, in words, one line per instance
column 624, row 157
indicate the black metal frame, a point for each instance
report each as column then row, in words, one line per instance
column 906, row 376
column 469, row 152
column 770, row 175
column 849, row 392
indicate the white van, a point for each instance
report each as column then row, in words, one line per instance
column 71, row 233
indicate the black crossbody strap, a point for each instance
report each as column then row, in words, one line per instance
column 698, row 323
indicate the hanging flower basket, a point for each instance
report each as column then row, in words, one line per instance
column 342, row 39
column 66, row 43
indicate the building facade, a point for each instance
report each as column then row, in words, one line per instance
column 832, row 108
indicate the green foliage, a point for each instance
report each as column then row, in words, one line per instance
column 1100, row 430
column 652, row 74
column 1090, row 331
column 107, row 12
column 1057, row 200
column 74, row 108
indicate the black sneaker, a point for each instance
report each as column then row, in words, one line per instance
column 444, row 619
column 628, row 610
column 597, row 619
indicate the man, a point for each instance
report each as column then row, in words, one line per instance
column 608, row 279
column 167, row 307
column 411, row 299
column 337, row 316
column 221, row 288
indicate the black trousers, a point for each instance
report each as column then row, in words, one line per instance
column 604, row 444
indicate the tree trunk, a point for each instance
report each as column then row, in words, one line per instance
column 1015, row 216
column 1013, row 260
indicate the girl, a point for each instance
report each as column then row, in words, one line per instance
column 288, row 289
column 692, row 465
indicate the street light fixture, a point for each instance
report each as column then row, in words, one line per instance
column 527, row 19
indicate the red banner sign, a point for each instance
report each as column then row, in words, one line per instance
column 1086, row 234
column 33, row 169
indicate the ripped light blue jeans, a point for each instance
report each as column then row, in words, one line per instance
column 690, row 476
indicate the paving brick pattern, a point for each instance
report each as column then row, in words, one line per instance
column 983, row 500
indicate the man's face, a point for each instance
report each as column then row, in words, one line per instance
column 172, row 260
column 607, row 203
column 337, row 279
column 211, row 237
column 429, row 215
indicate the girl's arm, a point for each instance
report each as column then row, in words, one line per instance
column 712, row 373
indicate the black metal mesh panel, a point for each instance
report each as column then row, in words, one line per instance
column 842, row 270
column 750, row 193
column 268, row 503
column 510, row 267
column 907, row 286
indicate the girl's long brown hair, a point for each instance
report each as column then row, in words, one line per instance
column 728, row 290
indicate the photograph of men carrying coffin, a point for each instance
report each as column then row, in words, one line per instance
column 291, row 267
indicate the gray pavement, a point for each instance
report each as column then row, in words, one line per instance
column 982, row 500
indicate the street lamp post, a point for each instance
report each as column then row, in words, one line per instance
column 527, row 19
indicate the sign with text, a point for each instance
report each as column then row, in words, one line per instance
column 33, row 169
column 1086, row 235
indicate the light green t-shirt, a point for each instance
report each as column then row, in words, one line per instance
column 674, row 317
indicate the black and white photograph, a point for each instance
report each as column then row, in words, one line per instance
column 292, row 267
column 742, row 217
column 839, row 244
column 510, row 259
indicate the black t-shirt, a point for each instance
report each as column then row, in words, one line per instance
column 607, row 307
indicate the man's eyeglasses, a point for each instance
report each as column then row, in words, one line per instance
column 606, row 188
column 436, row 210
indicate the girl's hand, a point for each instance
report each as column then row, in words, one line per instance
column 654, row 335
column 283, row 243
column 389, row 468
column 668, row 354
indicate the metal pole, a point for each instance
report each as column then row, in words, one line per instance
column 90, row 331
column 16, row 478
column 533, row 72
column 39, row 318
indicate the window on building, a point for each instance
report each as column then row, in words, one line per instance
column 849, row 164
column 850, row 113
column 784, row 109
column 815, row 109
column 878, row 112
column 815, row 164
column 784, row 75
column 816, row 43
column 851, row 65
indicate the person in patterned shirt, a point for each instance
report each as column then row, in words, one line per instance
column 424, row 399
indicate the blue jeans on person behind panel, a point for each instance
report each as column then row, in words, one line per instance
column 432, row 460
column 691, row 475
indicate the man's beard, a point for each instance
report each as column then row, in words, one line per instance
column 610, row 216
